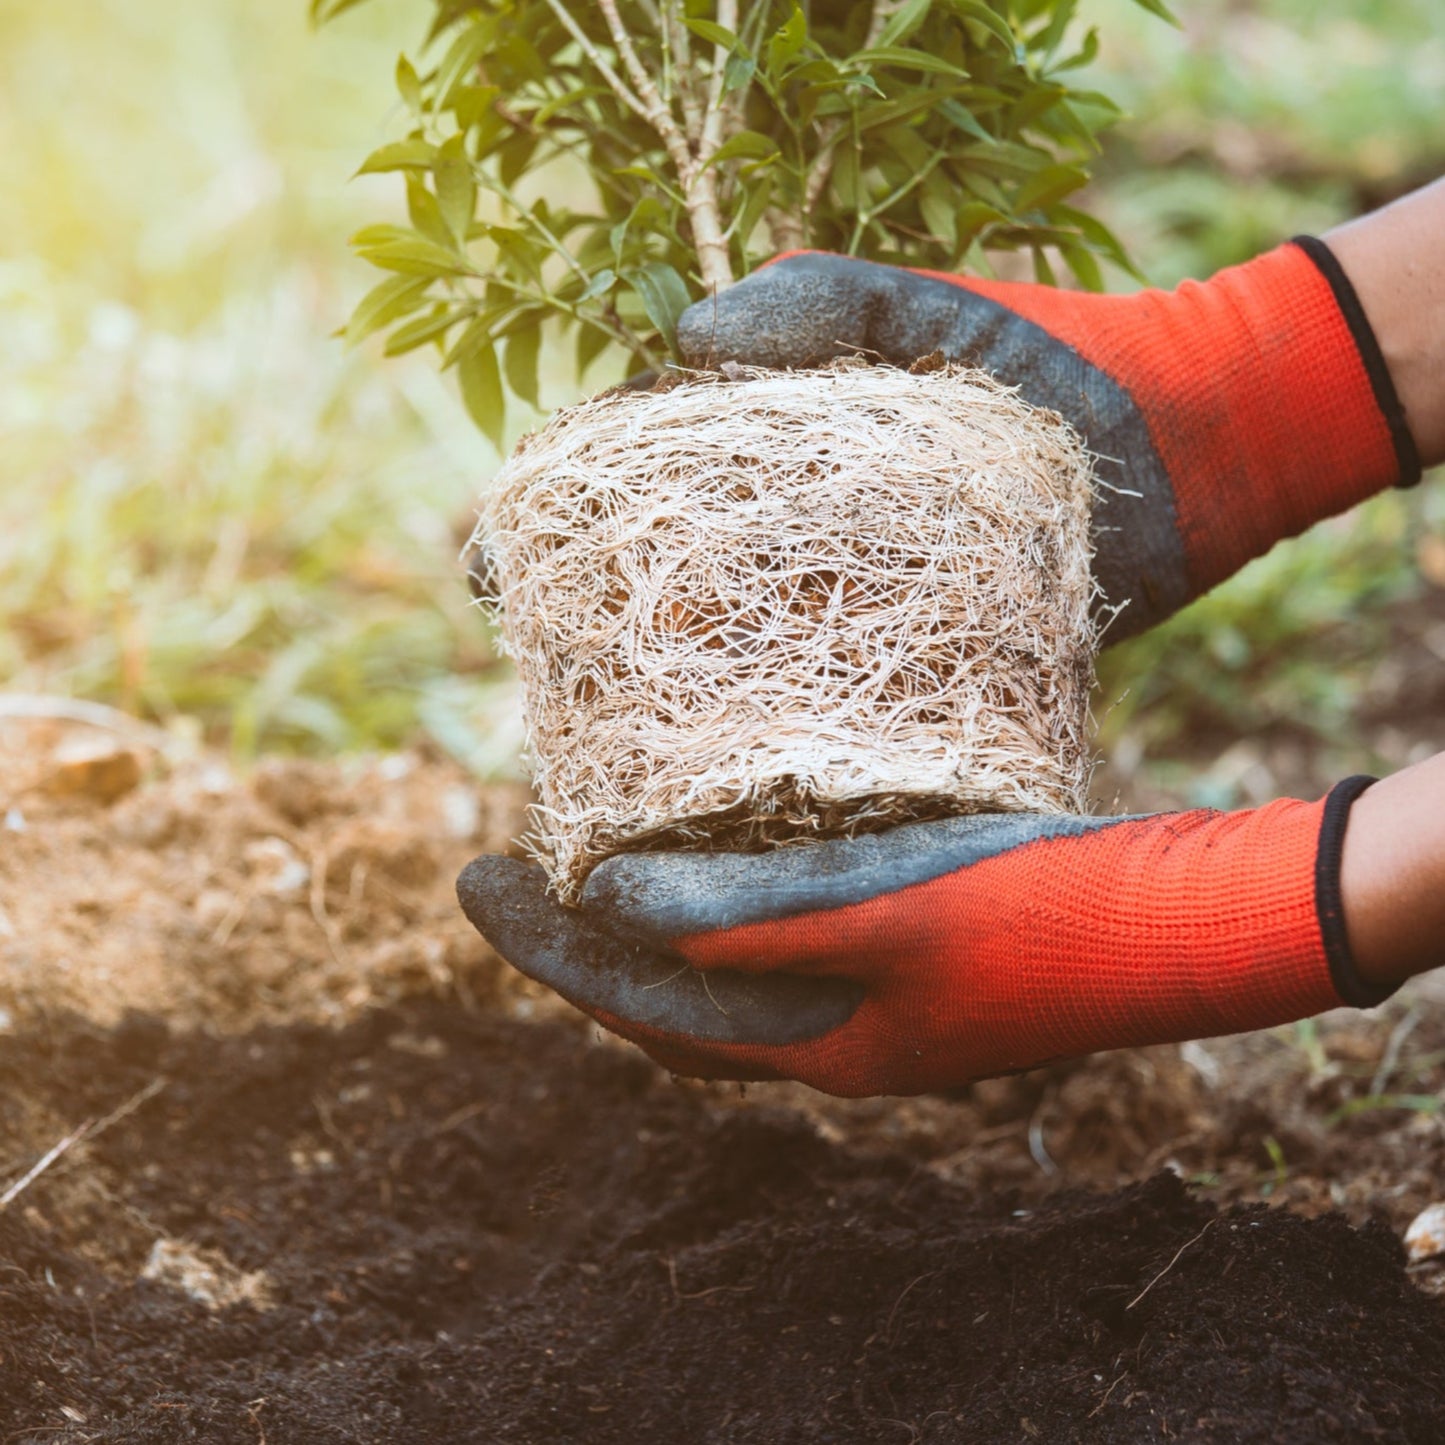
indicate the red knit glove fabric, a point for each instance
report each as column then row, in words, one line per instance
column 1258, row 390
column 1057, row 937
column 1223, row 415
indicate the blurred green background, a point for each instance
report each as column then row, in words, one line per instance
column 213, row 515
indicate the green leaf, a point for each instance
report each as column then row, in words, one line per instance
column 456, row 187
column 717, row 34
column 1051, row 37
column 559, row 103
column 472, row 107
column 787, row 43
column 477, row 335
column 481, row 384
column 408, row 84
column 519, row 250
column 937, row 207
column 1085, row 55
column 904, row 21
column 1049, row 184
column 419, row 332
column 1043, row 272
column 399, row 156
column 386, row 302
column 646, row 215
column 738, row 73
column 888, row 112
column 745, row 143
column 1157, row 7
column 514, row 156
column 466, row 50
column 323, row 11
column 963, row 119
column 974, row 216
column 426, row 214
column 599, row 285
column 379, row 235
column 1100, row 237
column 520, row 362
column 664, row 297
column 592, row 341
column 1083, row 265
column 745, row 221
column 905, row 59
column 415, row 257
column 984, row 15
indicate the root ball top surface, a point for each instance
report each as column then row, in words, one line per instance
column 784, row 605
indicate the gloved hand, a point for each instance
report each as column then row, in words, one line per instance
column 936, row 953
column 1225, row 415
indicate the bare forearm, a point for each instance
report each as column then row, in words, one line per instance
column 1392, row 877
column 1395, row 258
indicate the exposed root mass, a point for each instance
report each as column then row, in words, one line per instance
column 773, row 606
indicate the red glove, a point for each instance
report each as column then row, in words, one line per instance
column 1224, row 415
column 936, row 953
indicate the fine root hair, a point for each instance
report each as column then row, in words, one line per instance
column 754, row 609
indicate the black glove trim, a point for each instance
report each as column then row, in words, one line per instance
column 1386, row 397
column 1352, row 988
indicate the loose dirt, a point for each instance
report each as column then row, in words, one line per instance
column 332, row 1173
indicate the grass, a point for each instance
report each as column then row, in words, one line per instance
column 216, row 516
column 239, row 525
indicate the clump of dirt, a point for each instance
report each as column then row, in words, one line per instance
column 465, row 1228
column 301, row 890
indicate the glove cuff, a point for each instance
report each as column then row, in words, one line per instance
column 1407, row 454
column 1352, row 987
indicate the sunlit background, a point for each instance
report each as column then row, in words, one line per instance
column 215, row 516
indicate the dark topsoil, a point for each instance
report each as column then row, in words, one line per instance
column 480, row 1229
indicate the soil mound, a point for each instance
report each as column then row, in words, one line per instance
column 460, row 1228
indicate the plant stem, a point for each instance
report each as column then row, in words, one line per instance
column 675, row 40
column 618, row 86
column 866, row 218
column 654, row 109
column 713, row 256
column 698, row 178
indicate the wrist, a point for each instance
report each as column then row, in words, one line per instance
column 1392, row 875
column 1396, row 266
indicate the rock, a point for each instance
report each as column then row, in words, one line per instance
column 1425, row 1238
column 205, row 1275
column 92, row 766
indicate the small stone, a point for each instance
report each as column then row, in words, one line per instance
column 99, row 768
column 1425, row 1238
column 205, row 1275
column 275, row 866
